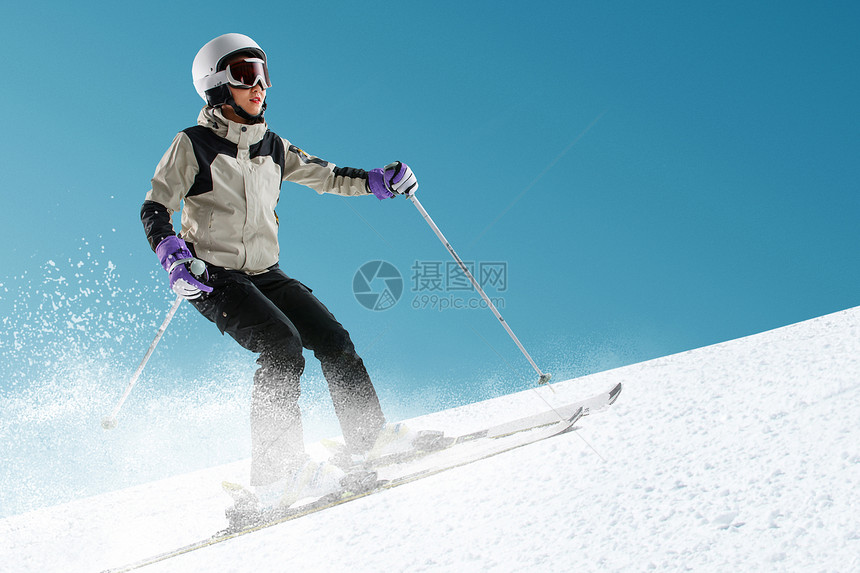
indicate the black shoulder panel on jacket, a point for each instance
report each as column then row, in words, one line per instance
column 156, row 222
column 207, row 145
column 271, row 146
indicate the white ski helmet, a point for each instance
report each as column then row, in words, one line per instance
column 208, row 70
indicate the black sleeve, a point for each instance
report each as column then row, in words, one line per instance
column 157, row 223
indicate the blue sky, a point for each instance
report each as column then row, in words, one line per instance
column 656, row 176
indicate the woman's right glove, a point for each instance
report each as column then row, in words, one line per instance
column 184, row 269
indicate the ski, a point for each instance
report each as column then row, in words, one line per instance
column 432, row 442
column 471, row 448
column 242, row 524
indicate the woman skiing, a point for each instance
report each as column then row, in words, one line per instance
column 228, row 171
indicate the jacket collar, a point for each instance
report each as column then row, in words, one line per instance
column 238, row 133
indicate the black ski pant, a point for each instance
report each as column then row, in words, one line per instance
column 276, row 316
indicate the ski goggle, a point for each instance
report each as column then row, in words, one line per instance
column 247, row 73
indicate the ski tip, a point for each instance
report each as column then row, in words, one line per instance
column 569, row 425
column 613, row 394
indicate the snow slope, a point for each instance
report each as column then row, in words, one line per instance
column 740, row 456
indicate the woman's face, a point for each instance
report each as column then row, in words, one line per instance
column 249, row 99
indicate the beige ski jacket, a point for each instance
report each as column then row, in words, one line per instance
column 229, row 177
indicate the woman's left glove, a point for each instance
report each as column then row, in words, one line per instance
column 184, row 269
column 394, row 179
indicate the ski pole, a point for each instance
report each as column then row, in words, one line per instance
column 543, row 377
column 109, row 422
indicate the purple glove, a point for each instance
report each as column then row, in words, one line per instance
column 177, row 260
column 396, row 178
